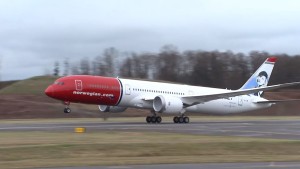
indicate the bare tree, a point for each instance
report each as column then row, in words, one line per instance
column 74, row 69
column 168, row 63
column 110, row 56
column 205, row 68
column 126, row 68
column 56, row 69
column 66, row 67
column 85, row 66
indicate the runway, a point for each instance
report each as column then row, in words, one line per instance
column 277, row 165
column 279, row 129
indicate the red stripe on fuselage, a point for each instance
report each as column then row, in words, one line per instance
column 88, row 89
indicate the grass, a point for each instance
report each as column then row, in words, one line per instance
column 50, row 149
column 6, row 83
column 35, row 86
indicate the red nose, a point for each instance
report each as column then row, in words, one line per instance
column 49, row 91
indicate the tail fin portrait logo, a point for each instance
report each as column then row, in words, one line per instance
column 261, row 80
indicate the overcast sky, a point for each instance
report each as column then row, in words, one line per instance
column 35, row 33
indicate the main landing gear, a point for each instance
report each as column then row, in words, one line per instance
column 67, row 109
column 181, row 119
column 154, row 118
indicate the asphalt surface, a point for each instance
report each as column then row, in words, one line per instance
column 269, row 165
column 264, row 129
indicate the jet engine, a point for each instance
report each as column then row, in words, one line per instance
column 167, row 104
column 111, row 109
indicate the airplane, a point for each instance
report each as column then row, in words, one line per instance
column 117, row 94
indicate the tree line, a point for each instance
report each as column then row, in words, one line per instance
column 196, row 67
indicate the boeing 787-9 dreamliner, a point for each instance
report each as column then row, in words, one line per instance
column 118, row 94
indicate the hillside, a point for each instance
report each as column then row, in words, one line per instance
column 6, row 83
column 32, row 86
column 26, row 99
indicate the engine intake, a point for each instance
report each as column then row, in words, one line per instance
column 167, row 104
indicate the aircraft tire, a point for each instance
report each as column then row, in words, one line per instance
column 175, row 119
column 180, row 120
column 186, row 119
column 158, row 119
column 67, row 110
column 148, row 119
column 153, row 119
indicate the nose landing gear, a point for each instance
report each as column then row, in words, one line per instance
column 67, row 109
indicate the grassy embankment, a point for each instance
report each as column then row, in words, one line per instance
column 32, row 86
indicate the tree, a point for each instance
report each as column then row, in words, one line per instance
column 126, row 68
column 85, row 66
column 56, row 69
column 168, row 64
column 110, row 58
column 75, row 70
column 204, row 68
column 66, row 67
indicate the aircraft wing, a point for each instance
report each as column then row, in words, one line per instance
column 197, row 99
column 276, row 101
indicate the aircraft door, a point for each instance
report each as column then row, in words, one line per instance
column 127, row 89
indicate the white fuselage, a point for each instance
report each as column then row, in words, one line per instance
column 137, row 94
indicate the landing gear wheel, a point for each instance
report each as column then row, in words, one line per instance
column 67, row 110
column 158, row 119
column 153, row 119
column 148, row 119
column 175, row 119
column 180, row 119
column 186, row 119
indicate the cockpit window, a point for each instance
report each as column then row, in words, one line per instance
column 59, row 83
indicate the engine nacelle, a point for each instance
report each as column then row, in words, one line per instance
column 167, row 104
column 111, row 109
